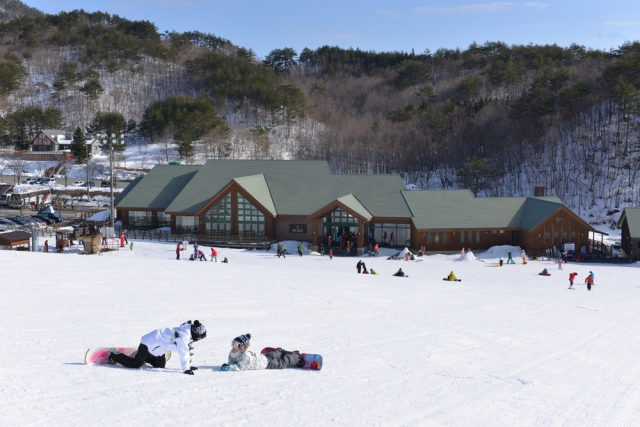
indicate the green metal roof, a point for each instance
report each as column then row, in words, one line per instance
column 256, row 185
column 351, row 202
column 459, row 209
column 158, row 188
column 632, row 216
column 295, row 187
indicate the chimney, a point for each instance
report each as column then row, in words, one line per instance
column 538, row 192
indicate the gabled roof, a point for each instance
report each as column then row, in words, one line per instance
column 158, row 188
column 351, row 202
column 459, row 209
column 291, row 187
column 9, row 237
column 632, row 215
column 256, row 185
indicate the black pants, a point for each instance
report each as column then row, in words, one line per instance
column 142, row 356
column 281, row 359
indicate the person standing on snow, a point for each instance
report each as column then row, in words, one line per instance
column 195, row 250
column 178, row 250
column 589, row 282
column 214, row 254
column 242, row 359
column 572, row 276
column 359, row 266
column 510, row 259
column 559, row 263
column 155, row 344
column 300, row 249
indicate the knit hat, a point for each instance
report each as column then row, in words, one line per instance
column 242, row 340
column 198, row 331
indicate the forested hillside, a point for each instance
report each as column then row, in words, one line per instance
column 494, row 118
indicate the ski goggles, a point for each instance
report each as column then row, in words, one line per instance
column 234, row 344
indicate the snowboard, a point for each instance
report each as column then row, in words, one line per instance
column 312, row 362
column 99, row 355
column 399, row 276
column 542, row 274
column 446, row 279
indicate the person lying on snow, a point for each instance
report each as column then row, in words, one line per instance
column 242, row 359
column 155, row 344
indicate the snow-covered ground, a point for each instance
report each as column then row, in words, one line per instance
column 504, row 347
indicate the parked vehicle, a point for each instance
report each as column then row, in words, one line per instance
column 89, row 184
column 6, row 225
column 50, row 214
column 29, row 181
column 49, row 181
column 105, row 184
column 77, row 184
column 616, row 249
column 18, row 221
column 36, row 222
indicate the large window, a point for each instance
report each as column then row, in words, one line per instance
column 250, row 219
column 164, row 219
column 186, row 223
column 140, row 218
column 218, row 219
column 401, row 233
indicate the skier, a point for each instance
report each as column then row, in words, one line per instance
column 242, row 359
column 359, row 266
column 280, row 251
column 155, row 344
column 593, row 276
column 572, row 276
column 589, row 282
column 214, row 254
column 452, row 277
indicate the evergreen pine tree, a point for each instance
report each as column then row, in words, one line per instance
column 79, row 146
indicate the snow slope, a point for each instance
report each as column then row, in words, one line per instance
column 504, row 347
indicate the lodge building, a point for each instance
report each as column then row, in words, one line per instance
column 304, row 201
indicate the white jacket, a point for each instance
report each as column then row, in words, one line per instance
column 247, row 361
column 177, row 339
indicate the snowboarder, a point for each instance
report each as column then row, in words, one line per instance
column 225, row 260
column 572, row 276
column 300, row 249
column 510, row 259
column 155, row 344
column 545, row 272
column 501, row 261
column 373, row 271
column 589, row 282
column 359, row 266
column 452, row 277
column 242, row 359
column 399, row 273
column 214, row 254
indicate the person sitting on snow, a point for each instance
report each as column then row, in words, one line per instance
column 372, row 271
column 399, row 273
column 155, row 344
column 242, row 359
column 225, row 260
column 452, row 277
column 545, row 271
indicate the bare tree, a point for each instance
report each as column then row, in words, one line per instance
column 17, row 164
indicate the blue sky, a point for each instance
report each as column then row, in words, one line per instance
column 377, row 25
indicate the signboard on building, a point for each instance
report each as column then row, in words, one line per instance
column 298, row 228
